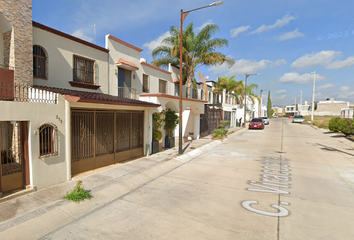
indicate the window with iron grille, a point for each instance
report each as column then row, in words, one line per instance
column 39, row 62
column 83, row 70
column 48, row 140
column 145, row 83
column 162, row 86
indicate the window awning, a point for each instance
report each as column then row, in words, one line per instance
column 122, row 63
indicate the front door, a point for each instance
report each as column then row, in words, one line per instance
column 12, row 157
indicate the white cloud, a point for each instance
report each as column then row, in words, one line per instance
column 80, row 34
column 157, row 42
column 325, row 87
column 291, row 35
column 326, row 59
column 236, row 31
column 294, row 77
column 242, row 66
column 315, row 59
column 280, row 62
column 278, row 24
column 341, row 64
column 281, row 91
column 344, row 88
column 204, row 24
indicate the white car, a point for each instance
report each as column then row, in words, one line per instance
column 266, row 120
column 298, row 119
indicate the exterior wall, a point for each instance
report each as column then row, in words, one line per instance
column 46, row 171
column 18, row 44
column 132, row 54
column 330, row 108
column 60, row 54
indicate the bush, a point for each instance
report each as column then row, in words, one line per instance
column 78, row 194
column 346, row 126
column 221, row 131
column 333, row 124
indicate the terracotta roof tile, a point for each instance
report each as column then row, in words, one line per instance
column 93, row 97
column 126, row 63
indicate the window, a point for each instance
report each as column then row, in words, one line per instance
column 39, row 62
column 83, row 70
column 162, row 86
column 48, row 140
column 145, row 83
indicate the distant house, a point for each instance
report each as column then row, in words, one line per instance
column 330, row 107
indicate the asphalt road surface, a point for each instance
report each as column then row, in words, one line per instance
column 288, row 181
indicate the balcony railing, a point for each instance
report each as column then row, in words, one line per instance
column 25, row 93
column 125, row 92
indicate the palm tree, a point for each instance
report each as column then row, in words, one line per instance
column 239, row 93
column 229, row 84
column 198, row 50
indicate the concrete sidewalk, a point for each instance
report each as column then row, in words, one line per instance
column 21, row 208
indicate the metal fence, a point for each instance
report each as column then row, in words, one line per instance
column 25, row 93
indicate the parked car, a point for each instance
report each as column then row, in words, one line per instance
column 275, row 116
column 298, row 119
column 256, row 123
column 266, row 120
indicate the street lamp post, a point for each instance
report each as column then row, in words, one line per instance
column 245, row 96
column 313, row 95
column 183, row 17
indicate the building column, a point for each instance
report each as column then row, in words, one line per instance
column 196, row 126
column 68, row 140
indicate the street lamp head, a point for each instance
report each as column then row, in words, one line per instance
column 216, row 3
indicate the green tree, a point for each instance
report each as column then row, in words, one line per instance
column 198, row 50
column 269, row 106
column 239, row 92
column 229, row 84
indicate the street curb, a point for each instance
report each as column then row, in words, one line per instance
column 199, row 151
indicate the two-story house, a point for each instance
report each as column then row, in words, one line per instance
column 70, row 106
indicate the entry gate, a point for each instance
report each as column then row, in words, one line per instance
column 101, row 138
column 11, row 164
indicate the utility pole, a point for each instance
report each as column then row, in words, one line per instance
column 313, row 95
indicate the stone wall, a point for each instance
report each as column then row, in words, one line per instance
column 18, row 41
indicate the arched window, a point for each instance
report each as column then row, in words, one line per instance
column 39, row 62
column 48, row 140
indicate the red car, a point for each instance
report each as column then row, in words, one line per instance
column 256, row 123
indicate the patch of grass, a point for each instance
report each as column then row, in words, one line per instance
column 319, row 121
column 78, row 194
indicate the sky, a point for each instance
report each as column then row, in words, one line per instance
column 284, row 40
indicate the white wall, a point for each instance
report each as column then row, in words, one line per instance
column 60, row 51
column 49, row 170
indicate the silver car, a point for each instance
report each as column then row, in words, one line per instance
column 265, row 120
column 298, row 119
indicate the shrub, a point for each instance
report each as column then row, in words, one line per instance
column 171, row 120
column 78, row 194
column 156, row 125
column 333, row 124
column 346, row 126
column 221, row 131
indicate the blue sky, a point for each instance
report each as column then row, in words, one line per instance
column 285, row 40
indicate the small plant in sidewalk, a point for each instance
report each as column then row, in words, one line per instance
column 221, row 131
column 78, row 194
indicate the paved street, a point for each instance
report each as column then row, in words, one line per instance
column 289, row 181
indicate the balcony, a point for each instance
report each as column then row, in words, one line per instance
column 25, row 93
column 125, row 92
